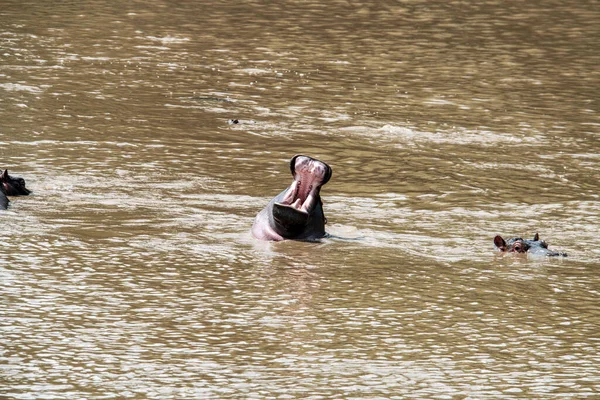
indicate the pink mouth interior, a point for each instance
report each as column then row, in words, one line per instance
column 308, row 178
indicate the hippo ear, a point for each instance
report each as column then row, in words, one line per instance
column 293, row 164
column 536, row 237
column 500, row 243
column 327, row 175
column 4, row 176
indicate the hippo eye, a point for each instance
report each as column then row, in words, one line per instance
column 517, row 248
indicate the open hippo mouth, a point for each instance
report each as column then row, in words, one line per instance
column 301, row 198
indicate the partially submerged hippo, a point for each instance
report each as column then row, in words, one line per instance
column 11, row 186
column 518, row 245
column 297, row 212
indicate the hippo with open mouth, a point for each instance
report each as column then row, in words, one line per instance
column 297, row 212
column 518, row 245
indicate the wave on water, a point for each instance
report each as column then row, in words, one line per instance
column 460, row 136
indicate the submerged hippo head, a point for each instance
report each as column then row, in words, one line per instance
column 13, row 185
column 519, row 245
column 297, row 212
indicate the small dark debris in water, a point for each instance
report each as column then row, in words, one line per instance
column 240, row 121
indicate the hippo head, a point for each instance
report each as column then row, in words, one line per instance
column 13, row 185
column 297, row 212
column 519, row 245
column 294, row 212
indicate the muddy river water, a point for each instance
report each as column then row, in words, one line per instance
column 130, row 272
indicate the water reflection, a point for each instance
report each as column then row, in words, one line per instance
column 130, row 271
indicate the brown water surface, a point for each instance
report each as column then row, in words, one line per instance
column 131, row 273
